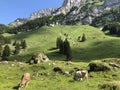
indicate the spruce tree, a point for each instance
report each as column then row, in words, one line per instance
column 61, row 46
column 17, row 48
column 67, row 50
column 6, row 53
column 24, row 45
column 57, row 43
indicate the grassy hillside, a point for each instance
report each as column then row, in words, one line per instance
column 48, row 80
column 97, row 47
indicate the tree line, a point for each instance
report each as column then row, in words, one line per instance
column 37, row 23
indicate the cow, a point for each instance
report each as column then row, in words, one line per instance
column 80, row 74
column 24, row 81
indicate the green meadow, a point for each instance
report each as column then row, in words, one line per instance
column 98, row 46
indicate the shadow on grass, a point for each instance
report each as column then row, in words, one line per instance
column 15, row 88
column 56, row 56
column 96, row 51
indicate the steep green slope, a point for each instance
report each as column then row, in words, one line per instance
column 97, row 46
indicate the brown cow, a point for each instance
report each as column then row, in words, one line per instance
column 24, row 81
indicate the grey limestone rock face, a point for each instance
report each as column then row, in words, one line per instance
column 71, row 3
column 42, row 13
column 111, row 2
column 84, row 11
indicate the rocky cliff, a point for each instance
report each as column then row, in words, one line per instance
column 42, row 13
column 83, row 11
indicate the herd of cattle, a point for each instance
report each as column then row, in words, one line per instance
column 78, row 75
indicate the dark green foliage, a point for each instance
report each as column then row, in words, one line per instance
column 2, row 40
column 83, row 38
column 23, row 44
column 61, row 46
column 3, row 28
column 114, row 28
column 67, row 50
column 58, row 41
column 7, row 40
column 6, row 53
column 37, row 23
column 17, row 48
column 64, row 48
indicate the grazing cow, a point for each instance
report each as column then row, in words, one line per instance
column 24, row 81
column 79, row 75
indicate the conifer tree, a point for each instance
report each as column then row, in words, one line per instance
column 58, row 41
column 8, row 40
column 67, row 50
column 17, row 48
column 24, row 45
column 6, row 53
column 61, row 46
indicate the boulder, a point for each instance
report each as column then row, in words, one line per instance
column 37, row 58
column 98, row 66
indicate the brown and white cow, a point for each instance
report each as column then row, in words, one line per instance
column 24, row 81
column 79, row 75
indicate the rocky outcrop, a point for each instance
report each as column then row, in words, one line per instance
column 80, row 11
column 42, row 13
column 83, row 11
column 18, row 21
column 37, row 58
column 112, row 3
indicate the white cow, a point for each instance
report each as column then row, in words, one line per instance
column 24, row 81
column 79, row 75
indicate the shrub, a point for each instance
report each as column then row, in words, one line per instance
column 110, row 86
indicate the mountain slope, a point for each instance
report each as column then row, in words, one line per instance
column 84, row 11
column 44, row 39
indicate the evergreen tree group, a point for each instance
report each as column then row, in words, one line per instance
column 64, row 48
column 6, row 52
column 18, row 46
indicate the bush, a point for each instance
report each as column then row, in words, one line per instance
column 99, row 66
column 110, row 86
